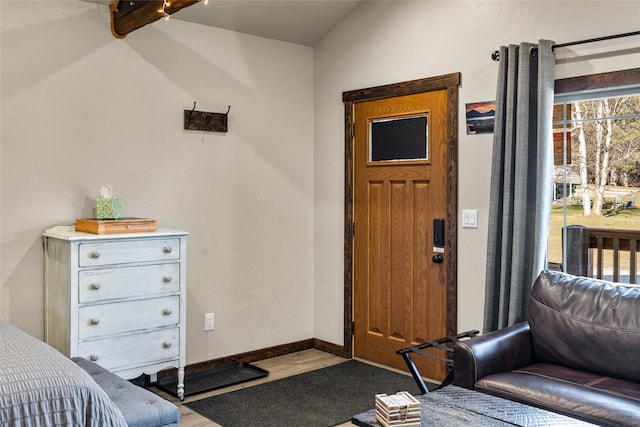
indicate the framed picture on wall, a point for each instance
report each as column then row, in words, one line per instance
column 480, row 117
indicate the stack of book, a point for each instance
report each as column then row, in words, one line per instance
column 116, row 226
column 398, row 410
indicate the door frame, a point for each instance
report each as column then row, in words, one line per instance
column 450, row 82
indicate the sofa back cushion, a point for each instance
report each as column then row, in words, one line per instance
column 586, row 324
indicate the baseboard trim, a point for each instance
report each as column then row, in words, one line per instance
column 327, row 347
column 267, row 353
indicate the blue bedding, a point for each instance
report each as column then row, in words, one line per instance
column 41, row 387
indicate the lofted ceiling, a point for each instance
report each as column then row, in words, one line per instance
column 302, row 22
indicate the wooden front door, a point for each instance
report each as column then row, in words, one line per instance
column 401, row 196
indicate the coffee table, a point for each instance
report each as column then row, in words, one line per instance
column 454, row 406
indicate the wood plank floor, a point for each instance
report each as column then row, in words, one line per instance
column 278, row 367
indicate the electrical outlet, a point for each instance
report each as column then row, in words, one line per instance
column 208, row 322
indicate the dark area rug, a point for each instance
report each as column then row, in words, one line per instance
column 320, row 398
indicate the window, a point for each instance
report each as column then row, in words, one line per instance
column 597, row 178
column 399, row 139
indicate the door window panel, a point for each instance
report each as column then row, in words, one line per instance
column 399, row 139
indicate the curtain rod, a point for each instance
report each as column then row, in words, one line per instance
column 496, row 53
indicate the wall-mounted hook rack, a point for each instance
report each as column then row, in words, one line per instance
column 203, row 120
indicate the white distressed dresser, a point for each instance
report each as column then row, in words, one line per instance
column 117, row 299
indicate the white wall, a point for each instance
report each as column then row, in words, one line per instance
column 81, row 109
column 264, row 202
column 385, row 42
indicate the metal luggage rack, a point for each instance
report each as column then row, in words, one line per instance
column 440, row 344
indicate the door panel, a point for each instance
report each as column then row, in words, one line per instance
column 399, row 293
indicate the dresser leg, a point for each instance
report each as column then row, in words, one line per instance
column 181, row 383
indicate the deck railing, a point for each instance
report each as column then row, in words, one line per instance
column 586, row 252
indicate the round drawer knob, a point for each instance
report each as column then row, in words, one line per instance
column 93, row 357
column 167, row 279
column 166, row 344
column 94, row 286
column 167, row 249
column 94, row 322
column 94, row 254
column 166, row 312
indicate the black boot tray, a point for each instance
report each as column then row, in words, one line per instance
column 212, row 379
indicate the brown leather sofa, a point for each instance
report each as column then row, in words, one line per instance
column 578, row 354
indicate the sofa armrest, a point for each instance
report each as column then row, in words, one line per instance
column 499, row 351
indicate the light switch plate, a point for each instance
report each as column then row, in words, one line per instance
column 208, row 322
column 470, row 218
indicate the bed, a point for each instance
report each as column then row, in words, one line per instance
column 41, row 387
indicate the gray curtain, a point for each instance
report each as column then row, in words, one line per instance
column 521, row 181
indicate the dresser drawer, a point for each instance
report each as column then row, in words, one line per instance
column 126, row 282
column 133, row 350
column 108, row 319
column 127, row 251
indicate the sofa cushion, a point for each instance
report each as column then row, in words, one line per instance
column 586, row 324
column 589, row 397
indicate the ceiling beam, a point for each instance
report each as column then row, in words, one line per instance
column 128, row 15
